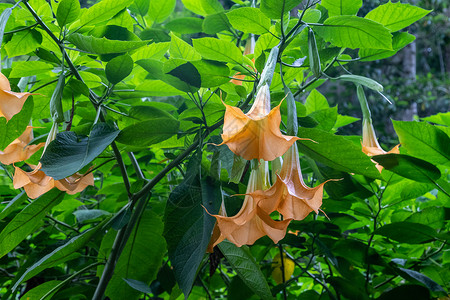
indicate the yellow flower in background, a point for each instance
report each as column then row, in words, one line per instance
column 10, row 102
column 290, row 196
column 251, row 222
column 19, row 150
column 288, row 264
column 256, row 134
column 36, row 183
column 370, row 144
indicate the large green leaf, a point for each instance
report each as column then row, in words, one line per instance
column 29, row 68
column 154, row 51
column 68, row 153
column 212, row 73
column 41, row 290
column 424, row 141
column 407, row 232
column 246, row 267
column 220, row 50
column 141, row 258
column 149, row 125
column 150, row 88
column 215, row 23
column 203, row 7
column 186, row 25
column 11, row 130
column 274, row 8
column 440, row 118
column 336, row 151
column 315, row 101
column 27, row 220
column 396, row 16
column 399, row 40
column 101, row 11
column 13, row 205
column 118, row 68
column 425, row 280
column 181, row 49
column 68, row 11
column 160, row 10
column 409, row 167
column 355, row 32
column 249, row 20
column 188, row 227
column 23, row 42
column 63, row 253
column 340, row 7
column 103, row 45
column 431, row 216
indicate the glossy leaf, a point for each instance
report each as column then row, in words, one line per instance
column 407, row 232
column 203, row 7
column 29, row 68
column 103, row 45
column 220, row 50
column 424, row 141
column 101, row 11
column 215, row 23
column 118, row 68
column 339, row 7
column 160, row 10
column 26, row 221
column 185, row 25
column 68, row 11
column 74, row 152
column 396, row 16
column 355, row 32
column 409, row 167
column 336, row 151
column 249, row 20
column 181, row 49
column 23, row 42
column 246, row 267
column 399, row 41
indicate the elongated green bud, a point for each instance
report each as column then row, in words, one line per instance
column 314, row 59
column 269, row 68
column 56, row 109
column 370, row 83
column 363, row 102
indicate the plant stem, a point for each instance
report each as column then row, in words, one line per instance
column 283, row 276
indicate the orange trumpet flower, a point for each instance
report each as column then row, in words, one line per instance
column 19, row 150
column 251, row 222
column 370, row 144
column 10, row 102
column 36, row 183
column 290, row 196
column 256, row 134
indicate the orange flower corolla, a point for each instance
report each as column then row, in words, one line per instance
column 290, row 196
column 370, row 144
column 10, row 102
column 36, row 183
column 19, row 150
column 251, row 222
column 256, row 134
column 249, row 49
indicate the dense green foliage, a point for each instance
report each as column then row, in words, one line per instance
column 135, row 89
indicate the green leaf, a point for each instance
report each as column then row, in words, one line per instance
column 181, row 49
column 153, row 51
column 103, row 45
column 118, row 68
column 141, row 258
column 424, row 141
column 11, row 130
column 68, row 12
column 140, row 6
column 13, row 205
column 409, row 167
column 203, row 7
column 160, row 10
column 101, row 11
column 149, row 125
column 425, row 280
column 74, row 152
column 339, row 7
column 41, row 290
column 29, row 68
column 215, row 23
column 440, row 118
column 355, row 32
column 246, row 267
column 407, row 291
column 431, row 216
column 220, row 50
column 138, row 285
column 274, row 8
column 27, row 220
column 336, row 151
column 356, row 79
column 182, row 75
column 212, row 73
column 150, row 88
column 315, row 101
column 185, row 25
column 396, row 16
column 399, row 40
column 188, row 227
column 249, row 20
column 326, row 118
column 3, row 21
column 59, row 255
column 407, row 232
column 23, row 42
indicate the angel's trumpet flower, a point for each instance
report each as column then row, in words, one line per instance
column 11, row 103
column 19, row 150
column 251, row 222
column 256, row 134
column 290, row 196
column 249, row 49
